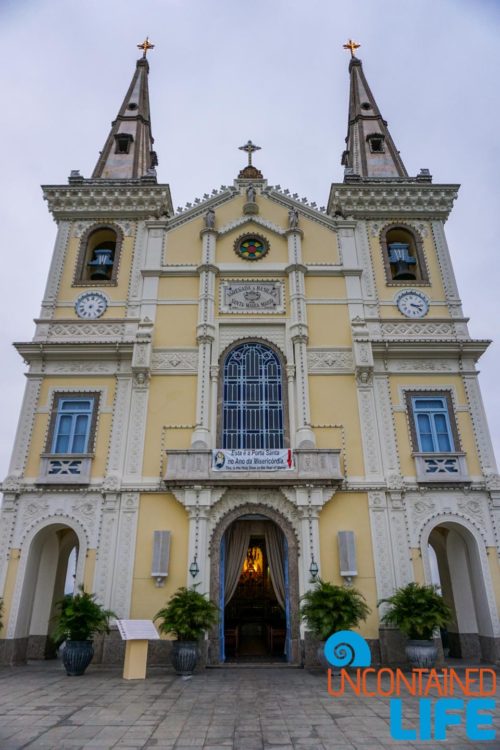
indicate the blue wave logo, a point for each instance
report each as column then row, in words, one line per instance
column 347, row 649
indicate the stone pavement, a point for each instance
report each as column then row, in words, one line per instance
column 243, row 708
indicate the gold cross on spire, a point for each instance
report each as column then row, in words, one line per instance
column 145, row 46
column 353, row 46
column 249, row 147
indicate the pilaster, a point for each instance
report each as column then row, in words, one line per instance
column 25, row 426
column 299, row 334
column 202, row 437
column 55, row 270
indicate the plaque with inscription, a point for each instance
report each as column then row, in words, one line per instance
column 137, row 630
column 252, row 296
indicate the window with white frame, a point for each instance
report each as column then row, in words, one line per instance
column 252, row 399
column 73, row 423
column 432, row 424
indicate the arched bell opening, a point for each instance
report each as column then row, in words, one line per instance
column 50, row 572
column 254, row 580
column 456, row 567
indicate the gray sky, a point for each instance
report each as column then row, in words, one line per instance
column 224, row 71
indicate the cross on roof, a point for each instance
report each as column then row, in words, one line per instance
column 145, row 46
column 353, row 46
column 249, row 147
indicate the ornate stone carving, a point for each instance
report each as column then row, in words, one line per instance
column 232, row 500
column 228, row 334
column 414, row 329
column 84, row 368
column 409, row 199
column 26, row 421
column 95, row 198
column 422, row 365
column 122, row 589
column 332, row 361
column 83, row 330
column 175, row 361
column 236, row 223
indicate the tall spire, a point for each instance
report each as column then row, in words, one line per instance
column 128, row 151
column 370, row 151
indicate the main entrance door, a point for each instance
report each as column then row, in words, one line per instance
column 254, row 592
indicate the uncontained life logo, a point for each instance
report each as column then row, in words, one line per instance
column 447, row 697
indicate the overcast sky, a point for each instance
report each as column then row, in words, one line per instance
column 224, row 71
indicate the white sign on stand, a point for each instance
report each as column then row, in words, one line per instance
column 137, row 630
column 136, row 633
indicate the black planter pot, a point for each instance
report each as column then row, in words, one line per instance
column 76, row 657
column 184, row 656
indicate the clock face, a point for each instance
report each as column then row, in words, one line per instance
column 91, row 305
column 413, row 304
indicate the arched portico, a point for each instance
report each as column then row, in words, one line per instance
column 464, row 577
column 258, row 510
column 40, row 583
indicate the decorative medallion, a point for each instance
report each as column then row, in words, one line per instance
column 251, row 247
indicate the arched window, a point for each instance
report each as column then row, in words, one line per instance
column 403, row 255
column 98, row 256
column 252, row 399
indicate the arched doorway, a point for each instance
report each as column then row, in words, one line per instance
column 50, row 572
column 259, row 613
column 455, row 565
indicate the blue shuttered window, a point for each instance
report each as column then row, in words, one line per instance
column 72, row 425
column 432, row 423
column 252, row 411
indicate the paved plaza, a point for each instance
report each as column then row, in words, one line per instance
column 243, row 708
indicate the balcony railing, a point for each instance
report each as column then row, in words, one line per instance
column 321, row 466
column 441, row 467
column 65, row 469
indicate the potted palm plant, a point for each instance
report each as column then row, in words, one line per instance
column 418, row 610
column 328, row 608
column 187, row 615
column 78, row 619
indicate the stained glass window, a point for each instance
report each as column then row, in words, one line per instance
column 251, row 248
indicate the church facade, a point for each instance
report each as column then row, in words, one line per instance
column 247, row 395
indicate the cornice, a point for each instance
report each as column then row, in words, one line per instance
column 74, row 350
column 108, row 198
column 431, row 348
column 401, row 198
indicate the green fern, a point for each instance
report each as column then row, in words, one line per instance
column 328, row 608
column 188, row 615
column 417, row 611
column 80, row 617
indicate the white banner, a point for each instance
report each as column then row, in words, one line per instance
column 252, row 460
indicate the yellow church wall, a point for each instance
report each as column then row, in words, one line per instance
column 89, row 570
column 174, row 288
column 333, row 400
column 462, row 418
column 349, row 512
column 328, row 325
column 158, row 512
column 41, row 421
column 325, row 287
column 172, row 401
column 68, row 293
column 418, row 565
column 10, row 582
column 319, row 244
column 176, row 326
